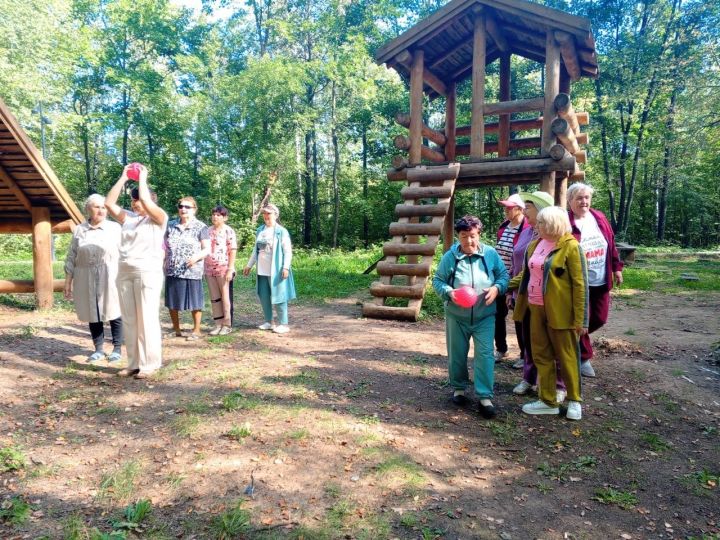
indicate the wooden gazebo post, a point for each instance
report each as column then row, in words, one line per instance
column 42, row 257
column 552, row 88
column 450, row 125
column 477, row 119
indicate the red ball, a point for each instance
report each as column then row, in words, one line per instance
column 465, row 296
column 133, row 171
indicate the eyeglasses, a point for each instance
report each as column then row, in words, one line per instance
column 186, row 206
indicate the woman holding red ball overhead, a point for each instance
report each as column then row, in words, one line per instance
column 470, row 263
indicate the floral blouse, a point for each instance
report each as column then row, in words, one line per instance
column 181, row 243
column 222, row 242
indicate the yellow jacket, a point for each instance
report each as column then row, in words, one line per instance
column 565, row 289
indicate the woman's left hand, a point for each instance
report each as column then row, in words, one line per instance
column 285, row 273
column 618, row 277
column 190, row 262
column 491, row 294
column 229, row 275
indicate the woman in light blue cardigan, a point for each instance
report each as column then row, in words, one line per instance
column 273, row 254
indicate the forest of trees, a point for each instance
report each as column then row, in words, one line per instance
column 284, row 95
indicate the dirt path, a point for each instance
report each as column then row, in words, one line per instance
column 346, row 428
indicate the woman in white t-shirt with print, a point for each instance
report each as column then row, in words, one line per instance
column 591, row 228
column 273, row 255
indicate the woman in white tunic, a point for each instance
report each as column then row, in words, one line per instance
column 90, row 273
column 140, row 274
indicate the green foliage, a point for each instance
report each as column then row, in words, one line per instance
column 230, row 524
column 623, row 499
column 238, row 433
column 11, row 459
column 119, row 485
column 236, row 401
column 14, row 511
column 134, row 515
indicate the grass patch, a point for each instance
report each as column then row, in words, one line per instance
column 705, row 480
column 134, row 515
column 14, row 511
column 230, row 524
column 186, row 425
column 119, row 485
column 11, row 459
column 562, row 471
column 309, row 378
column 299, row 434
column 504, row 432
column 623, row 499
column 655, row 442
column 398, row 472
column 238, row 433
column 198, row 405
column 236, row 401
column 664, row 274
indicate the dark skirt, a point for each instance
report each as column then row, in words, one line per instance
column 184, row 294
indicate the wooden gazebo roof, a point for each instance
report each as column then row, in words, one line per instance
column 515, row 26
column 27, row 181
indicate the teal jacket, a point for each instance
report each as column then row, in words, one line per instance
column 480, row 270
column 282, row 290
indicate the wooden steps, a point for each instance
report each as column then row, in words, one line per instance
column 415, row 236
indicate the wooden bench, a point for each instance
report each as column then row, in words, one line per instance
column 627, row 252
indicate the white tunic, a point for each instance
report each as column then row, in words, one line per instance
column 92, row 261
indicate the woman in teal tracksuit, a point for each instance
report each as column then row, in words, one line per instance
column 469, row 262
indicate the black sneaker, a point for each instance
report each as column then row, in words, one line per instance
column 460, row 400
column 487, row 411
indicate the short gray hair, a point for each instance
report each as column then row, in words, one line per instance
column 92, row 199
column 553, row 221
column 271, row 209
column 577, row 187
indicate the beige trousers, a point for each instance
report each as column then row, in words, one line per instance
column 140, row 306
column 219, row 289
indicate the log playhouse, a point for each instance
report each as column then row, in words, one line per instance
column 456, row 43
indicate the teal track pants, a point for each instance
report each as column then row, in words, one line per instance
column 458, row 333
column 266, row 302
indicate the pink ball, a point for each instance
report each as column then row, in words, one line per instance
column 465, row 296
column 133, row 172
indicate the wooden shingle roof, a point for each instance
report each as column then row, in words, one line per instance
column 515, row 25
column 27, row 181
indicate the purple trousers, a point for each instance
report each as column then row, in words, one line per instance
column 599, row 309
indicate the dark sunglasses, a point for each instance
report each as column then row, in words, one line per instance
column 189, row 207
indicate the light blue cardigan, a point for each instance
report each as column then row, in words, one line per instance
column 282, row 290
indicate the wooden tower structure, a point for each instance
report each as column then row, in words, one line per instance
column 33, row 201
column 457, row 43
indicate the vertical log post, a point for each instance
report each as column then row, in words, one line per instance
column 561, row 181
column 477, row 121
column 450, row 135
column 504, row 122
column 42, row 257
column 416, row 106
column 552, row 88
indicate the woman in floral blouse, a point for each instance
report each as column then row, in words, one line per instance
column 186, row 246
column 220, row 270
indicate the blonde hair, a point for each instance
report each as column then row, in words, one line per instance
column 553, row 221
column 577, row 187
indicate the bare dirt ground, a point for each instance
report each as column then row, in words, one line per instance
column 345, row 430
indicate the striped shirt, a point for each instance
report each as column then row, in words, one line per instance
column 506, row 243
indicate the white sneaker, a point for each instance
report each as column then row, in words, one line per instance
column 281, row 329
column 539, row 407
column 266, row 326
column 500, row 355
column 574, row 411
column 586, row 369
column 224, row 331
column 522, row 388
column 519, row 363
column 215, row 331
column 560, row 396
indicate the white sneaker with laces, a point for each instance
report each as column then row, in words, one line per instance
column 522, row 388
column 539, row 407
column 560, row 396
column 281, row 329
column 224, row 331
column 215, row 331
column 574, row 411
column 266, row 326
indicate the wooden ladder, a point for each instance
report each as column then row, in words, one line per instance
column 431, row 182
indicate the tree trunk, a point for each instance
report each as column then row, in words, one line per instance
column 315, row 195
column 667, row 162
column 366, row 220
column 336, row 166
column 307, row 192
column 605, row 151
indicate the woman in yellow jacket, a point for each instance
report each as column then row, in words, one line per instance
column 553, row 286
